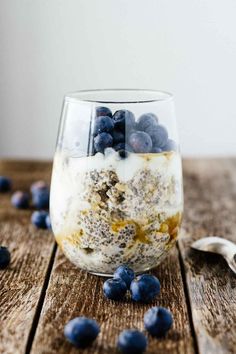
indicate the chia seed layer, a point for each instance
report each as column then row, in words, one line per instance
column 115, row 221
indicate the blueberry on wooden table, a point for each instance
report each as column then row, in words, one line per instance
column 147, row 121
column 125, row 273
column 132, row 341
column 103, row 124
column 158, row 321
column 5, row 257
column 81, row 331
column 123, row 119
column 40, row 198
column 114, row 289
column 103, row 111
column 38, row 219
column 38, row 186
column 5, row 184
column 144, row 288
column 20, row 200
column 102, row 141
column 48, row 222
column 140, row 142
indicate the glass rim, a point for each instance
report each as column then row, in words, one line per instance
column 92, row 96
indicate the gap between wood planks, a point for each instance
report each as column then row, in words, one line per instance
column 41, row 301
column 187, row 299
column 46, row 284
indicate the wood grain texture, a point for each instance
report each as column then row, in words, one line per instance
column 74, row 293
column 21, row 283
column 210, row 204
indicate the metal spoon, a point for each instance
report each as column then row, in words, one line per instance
column 218, row 245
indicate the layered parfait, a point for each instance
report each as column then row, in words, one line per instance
column 122, row 202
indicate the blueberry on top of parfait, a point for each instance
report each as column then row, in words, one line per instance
column 123, row 149
column 123, row 146
column 103, row 124
column 124, row 119
column 140, row 142
column 170, row 146
column 118, row 137
column 102, row 141
column 159, row 135
column 103, row 111
column 147, row 121
column 156, row 149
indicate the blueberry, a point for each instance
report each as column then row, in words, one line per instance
column 124, row 119
column 103, row 124
column 20, row 200
column 114, row 289
column 5, row 257
column 140, row 142
column 156, row 149
column 123, row 154
column 48, row 222
column 102, row 141
column 41, row 198
column 103, row 111
column 123, row 149
column 5, row 184
column 145, row 288
column 158, row 321
column 38, row 218
column 81, row 331
column 132, row 341
column 38, row 185
column 118, row 137
column 147, row 121
column 170, row 146
column 123, row 146
column 159, row 135
column 125, row 273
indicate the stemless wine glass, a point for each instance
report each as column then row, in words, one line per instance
column 116, row 194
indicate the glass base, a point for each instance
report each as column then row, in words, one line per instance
column 110, row 275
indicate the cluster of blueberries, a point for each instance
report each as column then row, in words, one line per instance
column 21, row 200
column 121, row 132
column 82, row 331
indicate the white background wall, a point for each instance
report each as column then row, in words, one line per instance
column 50, row 47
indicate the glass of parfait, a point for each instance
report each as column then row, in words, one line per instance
column 116, row 192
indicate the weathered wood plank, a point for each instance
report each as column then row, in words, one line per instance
column 210, row 204
column 21, row 283
column 72, row 293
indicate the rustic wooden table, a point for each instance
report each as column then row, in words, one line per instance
column 40, row 290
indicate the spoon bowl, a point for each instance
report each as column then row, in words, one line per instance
column 218, row 245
